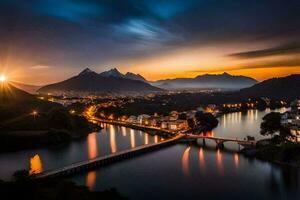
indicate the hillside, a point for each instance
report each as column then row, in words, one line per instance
column 207, row 81
column 110, row 82
column 32, row 89
column 15, row 102
column 27, row 122
column 287, row 88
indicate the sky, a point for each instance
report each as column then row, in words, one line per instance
column 44, row 41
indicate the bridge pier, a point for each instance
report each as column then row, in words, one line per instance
column 204, row 143
column 220, row 144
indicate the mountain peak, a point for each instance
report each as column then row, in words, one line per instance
column 134, row 76
column 226, row 74
column 86, row 71
column 114, row 72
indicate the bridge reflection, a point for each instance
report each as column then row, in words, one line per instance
column 91, row 179
column 201, row 160
column 185, row 162
column 113, row 145
column 92, row 146
column 146, row 139
column 123, row 130
column 132, row 138
column 236, row 159
column 219, row 162
column 155, row 139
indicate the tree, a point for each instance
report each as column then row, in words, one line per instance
column 191, row 123
column 206, row 119
column 60, row 118
column 271, row 124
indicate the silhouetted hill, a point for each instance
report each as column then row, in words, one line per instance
column 32, row 89
column 15, row 102
column 110, row 82
column 133, row 76
column 276, row 88
column 212, row 81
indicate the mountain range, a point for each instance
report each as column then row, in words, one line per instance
column 110, row 82
column 207, row 81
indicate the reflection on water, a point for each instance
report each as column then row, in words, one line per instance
column 146, row 139
column 185, row 162
column 201, row 160
column 110, row 139
column 155, row 139
column 132, row 138
column 91, row 179
column 236, row 160
column 219, row 161
column 36, row 165
column 113, row 145
column 123, row 130
column 92, row 145
column 241, row 124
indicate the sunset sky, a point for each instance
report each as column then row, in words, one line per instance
column 44, row 41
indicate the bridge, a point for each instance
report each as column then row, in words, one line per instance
column 106, row 160
column 221, row 140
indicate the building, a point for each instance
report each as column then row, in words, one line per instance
column 142, row 119
column 173, row 115
column 295, row 105
column 175, row 125
column 295, row 131
column 132, row 119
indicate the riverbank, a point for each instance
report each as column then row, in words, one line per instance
column 286, row 154
column 11, row 141
column 150, row 130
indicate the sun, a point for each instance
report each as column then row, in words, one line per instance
column 3, row 78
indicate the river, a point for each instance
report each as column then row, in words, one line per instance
column 181, row 171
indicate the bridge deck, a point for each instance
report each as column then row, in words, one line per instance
column 221, row 139
column 84, row 165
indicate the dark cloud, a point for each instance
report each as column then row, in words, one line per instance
column 291, row 48
column 88, row 32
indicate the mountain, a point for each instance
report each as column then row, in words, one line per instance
column 207, row 81
column 32, row 89
column 112, row 73
column 129, row 75
column 137, row 77
column 287, row 88
column 110, row 82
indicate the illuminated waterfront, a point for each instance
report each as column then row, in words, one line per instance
column 199, row 168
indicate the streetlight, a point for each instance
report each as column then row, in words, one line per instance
column 34, row 113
